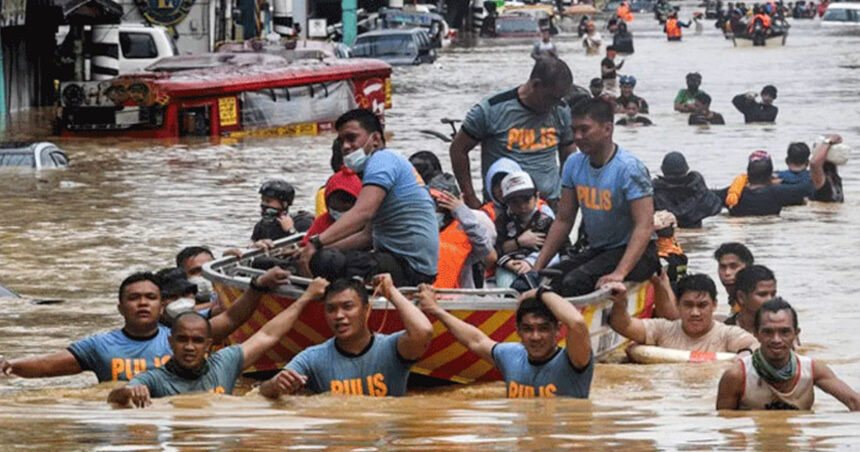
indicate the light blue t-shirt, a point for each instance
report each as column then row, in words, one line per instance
column 507, row 128
column 115, row 356
column 405, row 223
column 378, row 371
column 225, row 366
column 604, row 195
column 553, row 378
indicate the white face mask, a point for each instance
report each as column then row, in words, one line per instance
column 179, row 306
column 204, row 287
column 335, row 214
column 355, row 160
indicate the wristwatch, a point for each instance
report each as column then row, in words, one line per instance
column 541, row 290
column 316, row 242
column 257, row 288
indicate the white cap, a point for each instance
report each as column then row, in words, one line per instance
column 663, row 219
column 179, row 306
column 517, row 183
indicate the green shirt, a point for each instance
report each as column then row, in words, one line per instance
column 225, row 366
column 685, row 97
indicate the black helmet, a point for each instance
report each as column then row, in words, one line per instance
column 444, row 182
column 278, row 189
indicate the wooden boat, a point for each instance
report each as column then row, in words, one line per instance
column 745, row 40
column 491, row 310
column 225, row 94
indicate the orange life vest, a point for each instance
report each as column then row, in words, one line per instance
column 454, row 248
column 490, row 209
column 623, row 11
column 764, row 18
column 672, row 28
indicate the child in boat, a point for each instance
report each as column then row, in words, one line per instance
column 521, row 227
column 276, row 197
column 341, row 191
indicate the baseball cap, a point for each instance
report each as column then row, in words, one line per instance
column 518, row 183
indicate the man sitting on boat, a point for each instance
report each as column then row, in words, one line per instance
column 754, row 285
column 732, row 257
column 536, row 366
column 613, row 190
column 695, row 327
column 357, row 361
column 394, row 213
column 193, row 369
column 774, row 377
column 466, row 236
column 528, row 124
column 142, row 343
column 753, row 111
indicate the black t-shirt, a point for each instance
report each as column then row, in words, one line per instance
column 624, row 101
column 699, row 119
column 831, row 191
column 754, row 111
column 638, row 120
column 767, row 200
column 608, row 63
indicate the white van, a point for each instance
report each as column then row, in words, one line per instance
column 842, row 15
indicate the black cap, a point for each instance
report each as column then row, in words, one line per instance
column 674, row 165
column 278, row 189
column 596, row 82
column 694, row 75
column 770, row 90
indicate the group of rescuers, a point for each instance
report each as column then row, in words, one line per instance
column 392, row 227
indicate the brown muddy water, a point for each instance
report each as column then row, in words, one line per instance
column 124, row 206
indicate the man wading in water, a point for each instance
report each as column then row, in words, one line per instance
column 775, row 377
column 142, row 343
column 191, row 370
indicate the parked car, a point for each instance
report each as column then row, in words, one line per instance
column 842, row 15
column 396, row 47
column 42, row 155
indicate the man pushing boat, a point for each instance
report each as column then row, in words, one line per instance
column 775, row 377
column 357, row 361
column 142, row 343
column 193, row 369
column 537, row 366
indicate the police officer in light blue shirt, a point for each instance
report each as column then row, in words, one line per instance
column 537, row 366
column 191, row 370
column 357, row 361
column 140, row 345
column 393, row 213
column 612, row 189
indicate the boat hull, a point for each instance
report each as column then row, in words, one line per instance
column 771, row 41
column 446, row 358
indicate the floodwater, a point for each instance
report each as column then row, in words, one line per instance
column 124, row 206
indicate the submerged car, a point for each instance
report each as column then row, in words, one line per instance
column 842, row 15
column 396, row 47
column 41, row 155
column 511, row 26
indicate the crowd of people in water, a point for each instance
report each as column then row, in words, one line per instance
column 387, row 220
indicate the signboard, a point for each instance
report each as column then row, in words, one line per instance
column 227, row 112
column 316, row 28
column 13, row 12
column 164, row 12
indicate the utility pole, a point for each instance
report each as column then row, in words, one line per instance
column 350, row 28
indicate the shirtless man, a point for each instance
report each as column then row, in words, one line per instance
column 774, row 377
